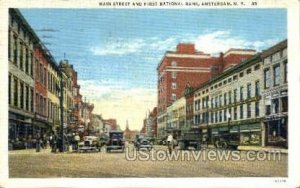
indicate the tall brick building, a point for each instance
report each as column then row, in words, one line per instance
column 187, row 66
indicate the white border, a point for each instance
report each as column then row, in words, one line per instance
column 293, row 179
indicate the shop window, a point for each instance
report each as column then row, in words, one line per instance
column 276, row 75
column 275, row 106
column 284, row 102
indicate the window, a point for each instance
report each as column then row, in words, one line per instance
column 15, row 50
column 275, row 106
column 229, row 113
column 229, row 80
column 257, row 67
column 268, row 109
column 9, row 89
column 267, row 78
column 229, row 97
column 235, row 113
column 173, row 85
column 212, row 103
column 216, row 102
column 45, row 77
column 27, row 98
column 276, row 75
column 216, row 117
column 249, row 110
column 257, row 89
column 249, row 91
column 220, row 100
column 173, row 97
column 225, row 99
column 31, row 64
column 21, row 95
column 225, row 114
column 224, row 82
column 27, row 62
column 249, row 71
column 173, row 64
column 41, row 73
column 31, row 100
column 241, row 112
column 235, row 78
column 256, row 109
column 285, row 71
column 220, row 116
column 235, row 95
column 220, row 84
column 241, row 93
column 174, row 75
column 206, row 102
column 16, row 92
column 212, row 117
column 21, row 56
column 241, row 74
column 284, row 102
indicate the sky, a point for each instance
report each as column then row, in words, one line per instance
column 116, row 51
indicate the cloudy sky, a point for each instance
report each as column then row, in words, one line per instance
column 116, row 51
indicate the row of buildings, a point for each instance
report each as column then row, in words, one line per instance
column 38, row 87
column 241, row 92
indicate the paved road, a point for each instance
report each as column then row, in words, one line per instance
column 29, row 164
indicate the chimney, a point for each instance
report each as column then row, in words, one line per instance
column 186, row 48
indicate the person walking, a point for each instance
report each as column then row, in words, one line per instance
column 170, row 143
column 77, row 140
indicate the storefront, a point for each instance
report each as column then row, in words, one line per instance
column 277, row 131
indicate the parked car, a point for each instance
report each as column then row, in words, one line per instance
column 90, row 143
column 115, row 141
column 143, row 143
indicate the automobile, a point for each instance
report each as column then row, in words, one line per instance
column 115, row 141
column 143, row 143
column 90, row 143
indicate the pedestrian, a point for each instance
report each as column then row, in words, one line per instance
column 77, row 140
column 170, row 142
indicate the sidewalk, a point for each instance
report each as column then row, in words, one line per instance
column 266, row 149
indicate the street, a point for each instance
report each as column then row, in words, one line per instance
column 30, row 164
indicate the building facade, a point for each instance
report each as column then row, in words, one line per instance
column 275, row 94
column 21, row 85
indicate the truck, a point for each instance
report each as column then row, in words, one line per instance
column 189, row 139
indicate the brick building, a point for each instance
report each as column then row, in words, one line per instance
column 186, row 66
column 41, row 88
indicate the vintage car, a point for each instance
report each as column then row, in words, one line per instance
column 90, row 143
column 115, row 141
column 143, row 144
